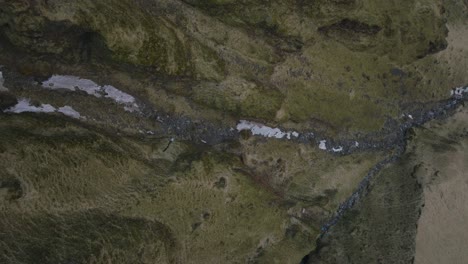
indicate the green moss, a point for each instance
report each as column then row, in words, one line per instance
column 311, row 52
column 241, row 98
column 212, row 217
column 85, row 237
column 346, row 90
column 301, row 172
column 336, row 109
column 200, row 205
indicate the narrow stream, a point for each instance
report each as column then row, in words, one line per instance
column 442, row 110
column 184, row 128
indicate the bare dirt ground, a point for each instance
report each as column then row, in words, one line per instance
column 443, row 227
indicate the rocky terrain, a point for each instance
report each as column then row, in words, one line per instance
column 233, row 131
column 415, row 210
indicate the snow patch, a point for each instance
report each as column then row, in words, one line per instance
column 117, row 95
column 72, row 83
column 266, row 131
column 338, row 149
column 69, row 111
column 24, row 105
column 459, row 91
column 75, row 83
column 323, row 145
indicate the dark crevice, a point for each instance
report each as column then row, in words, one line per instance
column 63, row 39
column 351, row 26
column 92, row 46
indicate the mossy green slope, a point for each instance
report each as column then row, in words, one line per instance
column 85, row 237
column 345, row 65
column 96, row 197
column 334, row 67
column 211, row 204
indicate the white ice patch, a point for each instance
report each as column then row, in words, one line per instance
column 117, row 95
column 2, row 88
column 74, row 83
column 323, row 145
column 356, row 144
column 69, row 111
column 338, row 149
column 459, row 91
column 266, row 131
column 24, row 105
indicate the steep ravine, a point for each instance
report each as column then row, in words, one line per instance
column 444, row 110
column 391, row 137
column 187, row 131
column 182, row 129
column 388, row 190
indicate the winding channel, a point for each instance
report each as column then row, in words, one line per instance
column 206, row 133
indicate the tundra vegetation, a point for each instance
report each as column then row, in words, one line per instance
column 119, row 121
